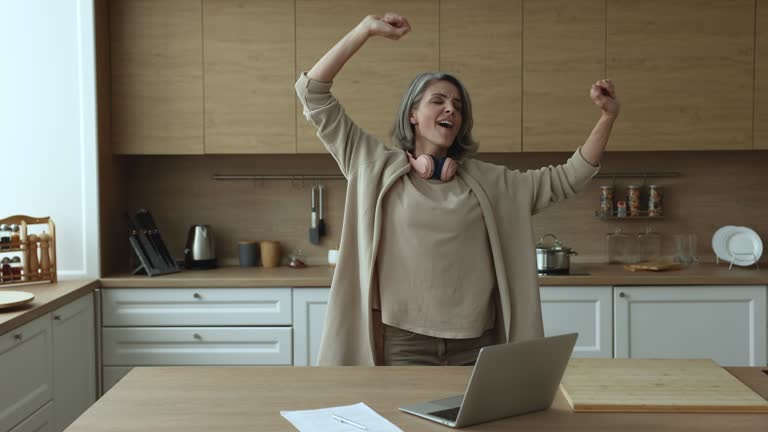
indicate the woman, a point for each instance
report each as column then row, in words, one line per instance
column 437, row 250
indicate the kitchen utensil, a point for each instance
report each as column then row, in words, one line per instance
column 10, row 299
column 554, row 258
column 655, row 385
column 320, row 220
column 200, row 251
column 154, row 234
column 139, row 241
column 270, row 253
column 314, row 235
column 248, row 252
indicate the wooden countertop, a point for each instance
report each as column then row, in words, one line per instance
column 48, row 297
column 320, row 276
column 251, row 398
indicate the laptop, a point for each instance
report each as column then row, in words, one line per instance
column 507, row 380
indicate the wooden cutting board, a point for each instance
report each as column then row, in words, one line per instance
column 653, row 266
column 639, row 385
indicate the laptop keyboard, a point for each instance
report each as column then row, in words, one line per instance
column 449, row 414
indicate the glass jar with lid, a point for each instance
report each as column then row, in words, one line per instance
column 618, row 246
column 649, row 243
column 5, row 236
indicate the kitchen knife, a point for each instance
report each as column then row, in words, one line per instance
column 160, row 244
column 152, row 248
column 314, row 236
column 140, row 245
column 320, row 221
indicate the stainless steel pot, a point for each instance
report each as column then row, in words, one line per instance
column 553, row 258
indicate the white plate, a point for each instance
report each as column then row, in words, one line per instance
column 14, row 298
column 741, row 245
column 718, row 246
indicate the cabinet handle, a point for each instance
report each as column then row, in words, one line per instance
column 197, row 296
column 197, row 336
column 18, row 336
column 57, row 317
column 622, row 295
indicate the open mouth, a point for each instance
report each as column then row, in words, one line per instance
column 446, row 124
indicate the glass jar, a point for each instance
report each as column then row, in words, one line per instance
column 617, row 246
column 16, row 268
column 15, row 236
column 5, row 272
column 5, row 236
column 649, row 244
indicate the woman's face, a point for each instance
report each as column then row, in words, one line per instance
column 437, row 117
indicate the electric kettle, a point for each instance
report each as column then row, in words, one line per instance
column 199, row 252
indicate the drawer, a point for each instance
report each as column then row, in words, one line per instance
column 196, row 307
column 40, row 421
column 187, row 346
column 26, row 371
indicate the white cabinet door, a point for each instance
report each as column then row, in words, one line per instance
column 196, row 307
column 724, row 323
column 26, row 368
column 309, row 307
column 187, row 346
column 582, row 309
column 74, row 367
column 40, row 421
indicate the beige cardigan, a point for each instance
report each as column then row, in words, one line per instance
column 508, row 199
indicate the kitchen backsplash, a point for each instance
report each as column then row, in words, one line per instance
column 713, row 189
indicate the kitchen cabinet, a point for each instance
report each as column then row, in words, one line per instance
column 372, row 83
column 156, row 54
column 249, row 70
column 309, row 309
column 761, row 75
column 26, row 369
column 563, row 55
column 586, row 310
column 202, row 326
column 40, row 421
column 481, row 43
column 684, row 73
column 725, row 323
column 74, row 369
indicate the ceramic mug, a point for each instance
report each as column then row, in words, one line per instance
column 270, row 253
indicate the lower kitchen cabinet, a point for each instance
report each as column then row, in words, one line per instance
column 309, row 308
column 41, row 421
column 724, row 323
column 74, row 368
column 586, row 310
column 26, row 368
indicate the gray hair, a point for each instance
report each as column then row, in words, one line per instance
column 464, row 145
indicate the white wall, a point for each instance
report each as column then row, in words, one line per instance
column 48, row 148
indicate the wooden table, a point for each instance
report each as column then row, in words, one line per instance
column 250, row 399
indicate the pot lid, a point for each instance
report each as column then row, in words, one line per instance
column 556, row 244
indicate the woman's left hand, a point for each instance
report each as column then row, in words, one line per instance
column 603, row 94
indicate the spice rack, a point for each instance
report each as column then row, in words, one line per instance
column 612, row 209
column 32, row 269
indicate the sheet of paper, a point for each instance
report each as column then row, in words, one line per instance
column 322, row 420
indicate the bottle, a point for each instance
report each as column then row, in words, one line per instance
column 5, row 236
column 15, row 236
column 16, row 269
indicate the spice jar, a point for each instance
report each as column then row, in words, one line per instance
column 5, row 272
column 5, row 236
column 606, row 200
column 16, row 268
column 654, row 201
column 15, row 236
column 633, row 200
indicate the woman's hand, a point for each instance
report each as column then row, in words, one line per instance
column 603, row 94
column 390, row 26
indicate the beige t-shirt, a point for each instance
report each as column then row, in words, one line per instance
column 434, row 263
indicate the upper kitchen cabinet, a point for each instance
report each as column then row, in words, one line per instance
column 683, row 71
column 156, row 77
column 372, row 83
column 761, row 76
column 249, row 69
column 481, row 43
column 563, row 54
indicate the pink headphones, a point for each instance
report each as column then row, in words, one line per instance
column 431, row 167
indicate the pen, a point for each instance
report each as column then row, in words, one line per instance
column 348, row 421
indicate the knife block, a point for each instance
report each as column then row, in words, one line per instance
column 149, row 249
column 23, row 247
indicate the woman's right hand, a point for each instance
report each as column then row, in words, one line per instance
column 391, row 25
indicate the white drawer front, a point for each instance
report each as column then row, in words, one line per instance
column 40, row 421
column 26, row 369
column 196, row 307
column 153, row 346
